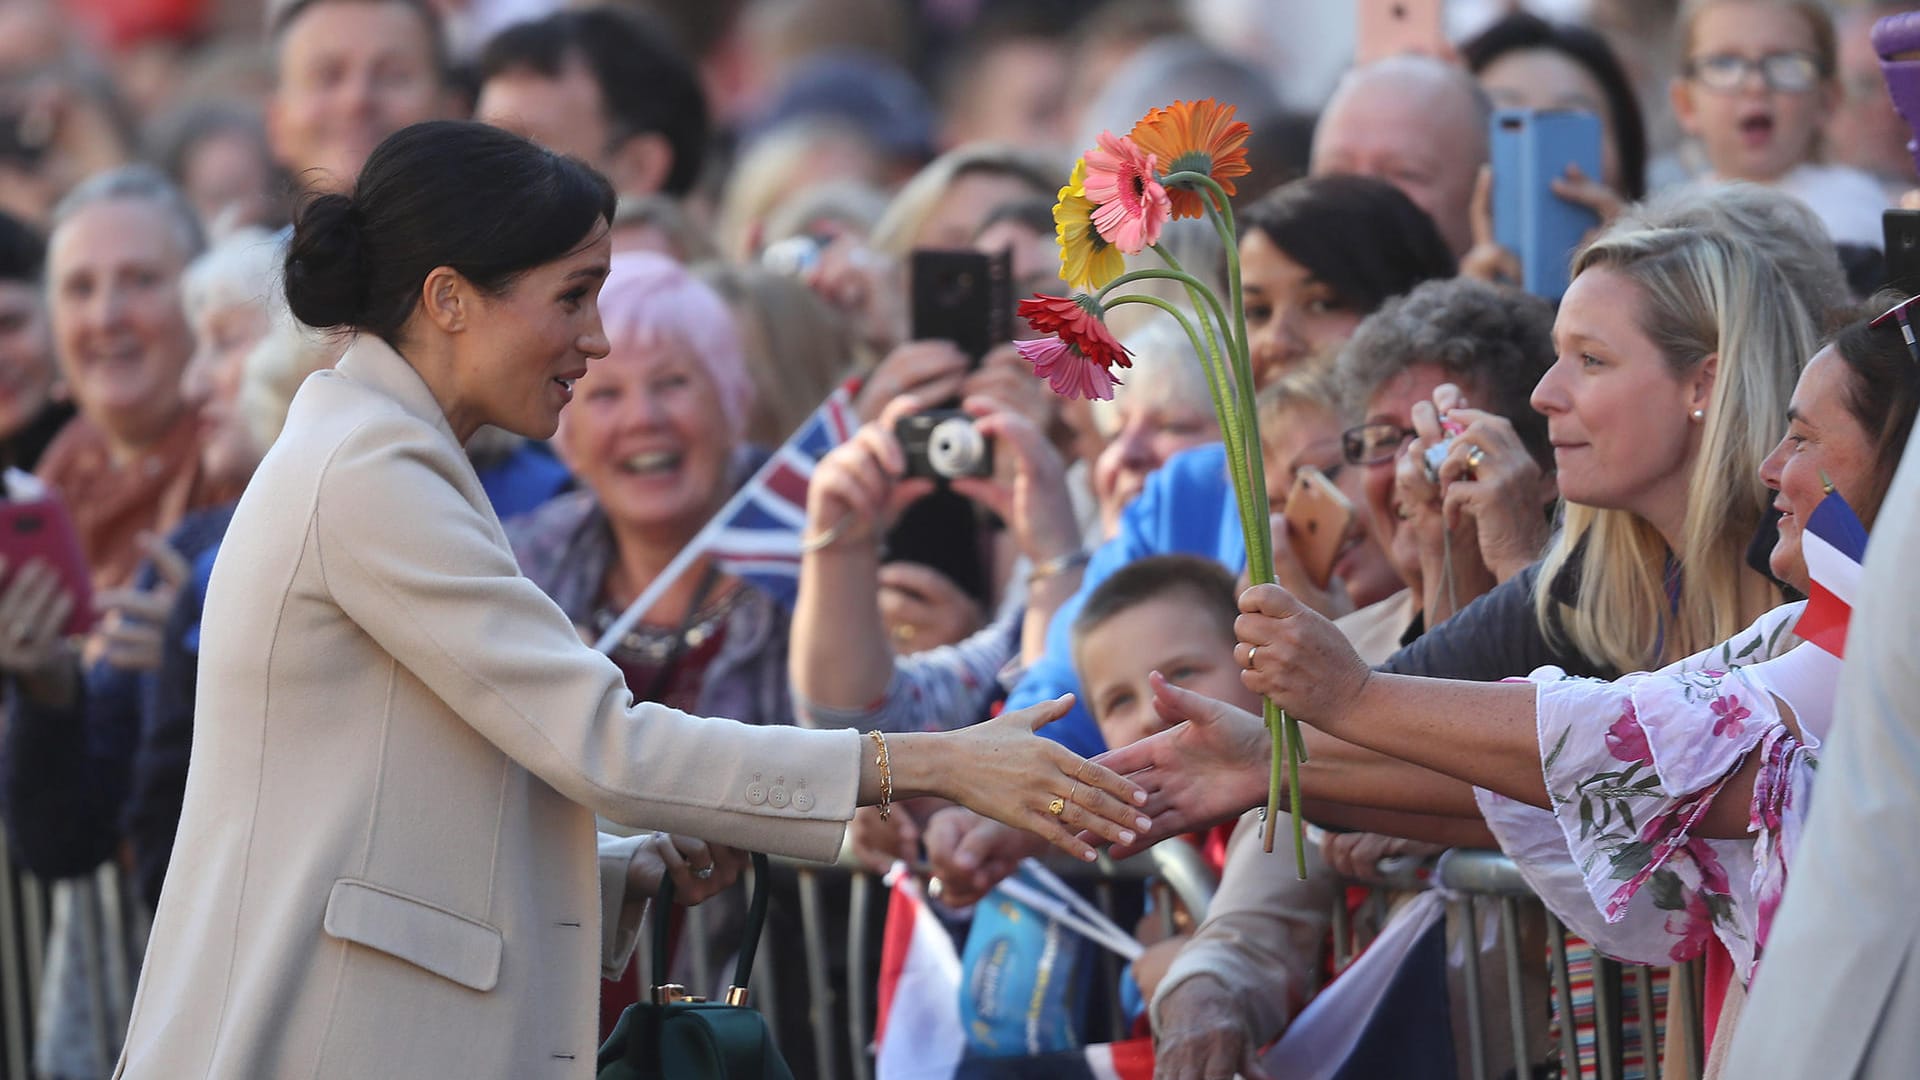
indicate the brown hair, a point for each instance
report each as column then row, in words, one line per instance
column 1883, row 393
column 1826, row 52
column 1204, row 580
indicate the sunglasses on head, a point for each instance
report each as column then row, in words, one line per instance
column 1898, row 314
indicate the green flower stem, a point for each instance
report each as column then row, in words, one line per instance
column 1249, row 474
column 1210, row 363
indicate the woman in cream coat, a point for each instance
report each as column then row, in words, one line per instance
column 385, row 865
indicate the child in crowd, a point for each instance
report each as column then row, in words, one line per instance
column 1757, row 85
column 1174, row 614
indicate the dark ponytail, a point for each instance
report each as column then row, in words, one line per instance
column 482, row 201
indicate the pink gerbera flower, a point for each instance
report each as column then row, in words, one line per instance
column 1068, row 371
column 1132, row 203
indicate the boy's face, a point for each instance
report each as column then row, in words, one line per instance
column 1172, row 634
column 1751, row 131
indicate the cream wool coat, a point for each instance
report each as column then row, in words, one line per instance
column 386, row 861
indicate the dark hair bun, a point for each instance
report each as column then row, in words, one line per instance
column 483, row 202
column 326, row 276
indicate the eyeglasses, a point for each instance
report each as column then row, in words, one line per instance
column 1784, row 72
column 1898, row 313
column 1373, row 444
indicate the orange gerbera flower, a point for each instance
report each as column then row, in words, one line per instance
column 1195, row 136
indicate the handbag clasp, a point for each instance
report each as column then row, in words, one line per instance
column 674, row 993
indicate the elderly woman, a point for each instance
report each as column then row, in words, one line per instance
column 74, row 731
column 655, row 441
column 130, row 462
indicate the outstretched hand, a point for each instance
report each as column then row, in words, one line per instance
column 1208, row 768
column 1004, row 771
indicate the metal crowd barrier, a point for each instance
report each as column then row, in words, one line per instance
column 1475, row 879
column 1479, row 883
column 23, row 954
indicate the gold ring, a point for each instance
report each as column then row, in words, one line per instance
column 1057, row 807
column 1251, row 649
column 1074, row 790
column 1475, row 456
column 904, row 632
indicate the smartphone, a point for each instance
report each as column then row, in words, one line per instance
column 1393, row 27
column 1318, row 516
column 965, row 297
column 40, row 529
column 1901, row 231
column 1530, row 149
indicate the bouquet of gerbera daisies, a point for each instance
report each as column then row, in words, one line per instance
column 1180, row 161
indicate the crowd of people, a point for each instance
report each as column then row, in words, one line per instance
column 393, row 360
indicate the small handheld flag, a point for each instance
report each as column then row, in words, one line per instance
column 1834, row 544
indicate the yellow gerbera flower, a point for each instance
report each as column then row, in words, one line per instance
column 1087, row 261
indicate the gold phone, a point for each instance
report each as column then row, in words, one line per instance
column 1318, row 516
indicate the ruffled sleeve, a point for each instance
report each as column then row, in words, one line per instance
column 1632, row 766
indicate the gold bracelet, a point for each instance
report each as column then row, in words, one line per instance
column 886, row 773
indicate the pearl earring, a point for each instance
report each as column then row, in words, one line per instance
column 1699, row 415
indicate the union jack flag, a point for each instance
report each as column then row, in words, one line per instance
column 756, row 535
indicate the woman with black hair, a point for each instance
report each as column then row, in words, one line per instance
column 384, row 865
column 1318, row 255
column 1525, row 62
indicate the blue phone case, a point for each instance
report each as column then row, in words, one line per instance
column 1529, row 149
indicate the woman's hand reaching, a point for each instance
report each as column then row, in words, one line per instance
column 1208, row 768
column 1002, row 770
column 1296, row 658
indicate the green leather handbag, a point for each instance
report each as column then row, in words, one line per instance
column 688, row 1038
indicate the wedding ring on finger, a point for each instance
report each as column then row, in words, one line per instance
column 1057, row 807
column 1474, row 457
column 1251, row 649
column 703, row 872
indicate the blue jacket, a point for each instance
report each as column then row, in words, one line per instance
column 1186, row 508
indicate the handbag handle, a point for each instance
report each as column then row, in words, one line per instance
column 749, row 941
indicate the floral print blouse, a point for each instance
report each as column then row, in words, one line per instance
column 1633, row 765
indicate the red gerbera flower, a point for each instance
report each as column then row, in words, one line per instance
column 1078, row 360
column 1076, row 321
column 1068, row 373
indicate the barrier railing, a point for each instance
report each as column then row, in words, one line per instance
column 1474, row 879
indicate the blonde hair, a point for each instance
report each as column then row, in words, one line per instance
column 1701, row 295
column 1317, row 387
column 894, row 234
column 1819, row 22
column 774, row 170
column 797, row 348
column 276, row 367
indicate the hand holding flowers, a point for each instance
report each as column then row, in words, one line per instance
column 1179, row 161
